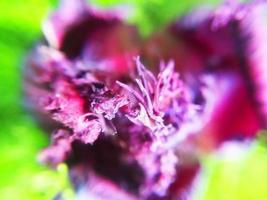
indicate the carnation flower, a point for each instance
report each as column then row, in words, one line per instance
column 123, row 109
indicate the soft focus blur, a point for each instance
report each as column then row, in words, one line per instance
column 22, row 177
column 234, row 171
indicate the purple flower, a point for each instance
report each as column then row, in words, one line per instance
column 126, row 130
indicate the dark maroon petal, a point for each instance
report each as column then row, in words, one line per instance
column 233, row 117
column 227, row 41
column 74, row 16
column 81, row 31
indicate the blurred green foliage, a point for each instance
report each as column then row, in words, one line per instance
column 20, row 139
column 241, row 178
column 152, row 15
